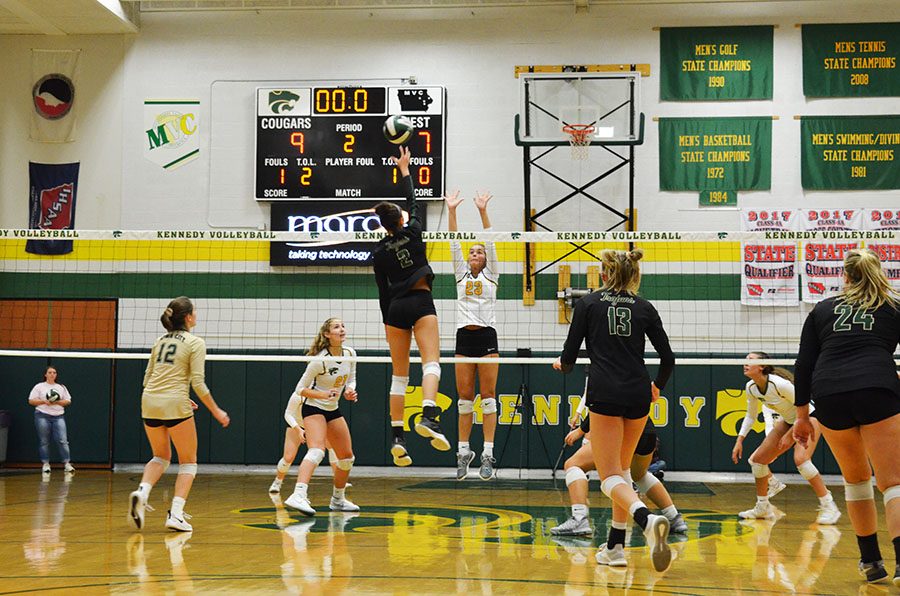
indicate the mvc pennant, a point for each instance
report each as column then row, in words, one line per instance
column 53, row 79
column 51, row 205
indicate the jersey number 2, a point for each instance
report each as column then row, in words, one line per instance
column 619, row 321
column 847, row 318
column 167, row 353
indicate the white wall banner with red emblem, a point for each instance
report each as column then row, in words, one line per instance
column 53, row 86
column 823, row 260
column 887, row 250
column 769, row 270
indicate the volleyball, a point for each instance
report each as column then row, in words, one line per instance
column 397, row 129
column 53, row 395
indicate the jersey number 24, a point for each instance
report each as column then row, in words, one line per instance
column 847, row 317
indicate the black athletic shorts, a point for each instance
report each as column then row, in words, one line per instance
column 841, row 411
column 156, row 422
column 308, row 410
column 632, row 412
column 405, row 310
column 647, row 443
column 476, row 343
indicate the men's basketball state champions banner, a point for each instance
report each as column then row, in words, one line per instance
column 823, row 260
column 53, row 80
column 171, row 131
column 850, row 152
column 769, row 275
column 51, row 204
column 851, row 60
column 715, row 63
column 888, row 251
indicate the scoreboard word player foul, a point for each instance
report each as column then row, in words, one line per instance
column 327, row 142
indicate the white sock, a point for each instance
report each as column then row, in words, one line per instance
column 670, row 512
column 488, row 449
column 144, row 488
column 762, row 501
column 620, row 525
column 338, row 493
column 396, row 423
column 827, row 499
column 463, row 447
column 579, row 511
column 428, row 402
column 177, row 507
column 300, row 489
column 635, row 506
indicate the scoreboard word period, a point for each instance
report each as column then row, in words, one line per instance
column 327, row 142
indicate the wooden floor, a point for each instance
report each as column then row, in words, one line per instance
column 413, row 536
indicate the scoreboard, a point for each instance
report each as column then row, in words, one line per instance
column 326, row 142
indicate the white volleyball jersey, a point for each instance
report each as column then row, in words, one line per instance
column 325, row 375
column 476, row 295
column 778, row 394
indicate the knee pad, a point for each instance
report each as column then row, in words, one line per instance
column 398, row 385
column 891, row 493
column 189, row 469
column 489, row 405
column 431, row 368
column 283, row 467
column 574, row 474
column 332, row 456
column 627, row 476
column 646, row 482
column 759, row 470
column 611, row 482
column 315, row 455
column 808, row 470
column 646, row 444
column 466, row 406
column 346, row 464
column 163, row 462
column 859, row 491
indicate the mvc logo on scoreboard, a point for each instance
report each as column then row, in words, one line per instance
column 324, row 216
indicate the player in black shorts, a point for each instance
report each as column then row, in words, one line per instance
column 404, row 280
column 613, row 322
column 846, row 364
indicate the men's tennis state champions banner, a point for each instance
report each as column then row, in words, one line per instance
column 850, row 152
column 715, row 63
column 715, row 153
column 851, row 60
column 51, row 204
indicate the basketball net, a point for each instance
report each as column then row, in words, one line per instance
column 579, row 139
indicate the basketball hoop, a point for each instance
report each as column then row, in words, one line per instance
column 579, row 139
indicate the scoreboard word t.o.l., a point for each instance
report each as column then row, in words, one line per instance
column 327, row 142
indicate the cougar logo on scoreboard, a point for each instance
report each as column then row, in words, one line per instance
column 282, row 101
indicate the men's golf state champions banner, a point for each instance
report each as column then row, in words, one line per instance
column 887, row 250
column 823, row 260
column 715, row 153
column 851, row 60
column 769, row 269
column 715, row 63
column 850, row 152
column 51, row 204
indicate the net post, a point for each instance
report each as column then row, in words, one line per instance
column 528, row 279
column 564, row 280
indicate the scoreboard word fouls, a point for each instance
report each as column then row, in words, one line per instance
column 326, row 142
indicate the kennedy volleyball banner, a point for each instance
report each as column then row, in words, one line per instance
column 823, row 260
column 769, row 272
column 51, row 204
column 53, row 76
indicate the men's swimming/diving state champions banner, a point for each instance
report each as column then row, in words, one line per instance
column 769, row 269
column 851, row 60
column 51, row 204
column 715, row 63
column 715, row 153
column 850, row 152
column 887, row 250
column 53, row 80
column 823, row 260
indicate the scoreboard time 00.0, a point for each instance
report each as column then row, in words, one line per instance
column 326, row 142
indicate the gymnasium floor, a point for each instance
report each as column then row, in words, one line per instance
column 414, row 535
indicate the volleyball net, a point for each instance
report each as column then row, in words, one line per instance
column 718, row 293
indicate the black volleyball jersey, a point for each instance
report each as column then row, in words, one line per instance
column 844, row 349
column 399, row 259
column 613, row 326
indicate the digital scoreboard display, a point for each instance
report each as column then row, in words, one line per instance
column 326, row 142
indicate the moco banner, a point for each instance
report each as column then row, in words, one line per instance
column 769, row 270
column 316, row 217
column 851, row 60
column 823, row 260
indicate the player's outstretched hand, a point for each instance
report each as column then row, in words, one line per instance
column 482, row 199
column 803, row 431
column 557, row 364
column 350, row 394
column 737, row 452
column 573, row 435
column 453, row 201
column 402, row 162
column 222, row 417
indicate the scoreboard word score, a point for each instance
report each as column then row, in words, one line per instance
column 326, row 142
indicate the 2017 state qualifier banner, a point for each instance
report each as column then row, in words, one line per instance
column 715, row 63
column 715, row 153
column 769, row 272
column 887, row 250
column 851, row 60
column 823, row 260
column 850, row 152
column 51, row 204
